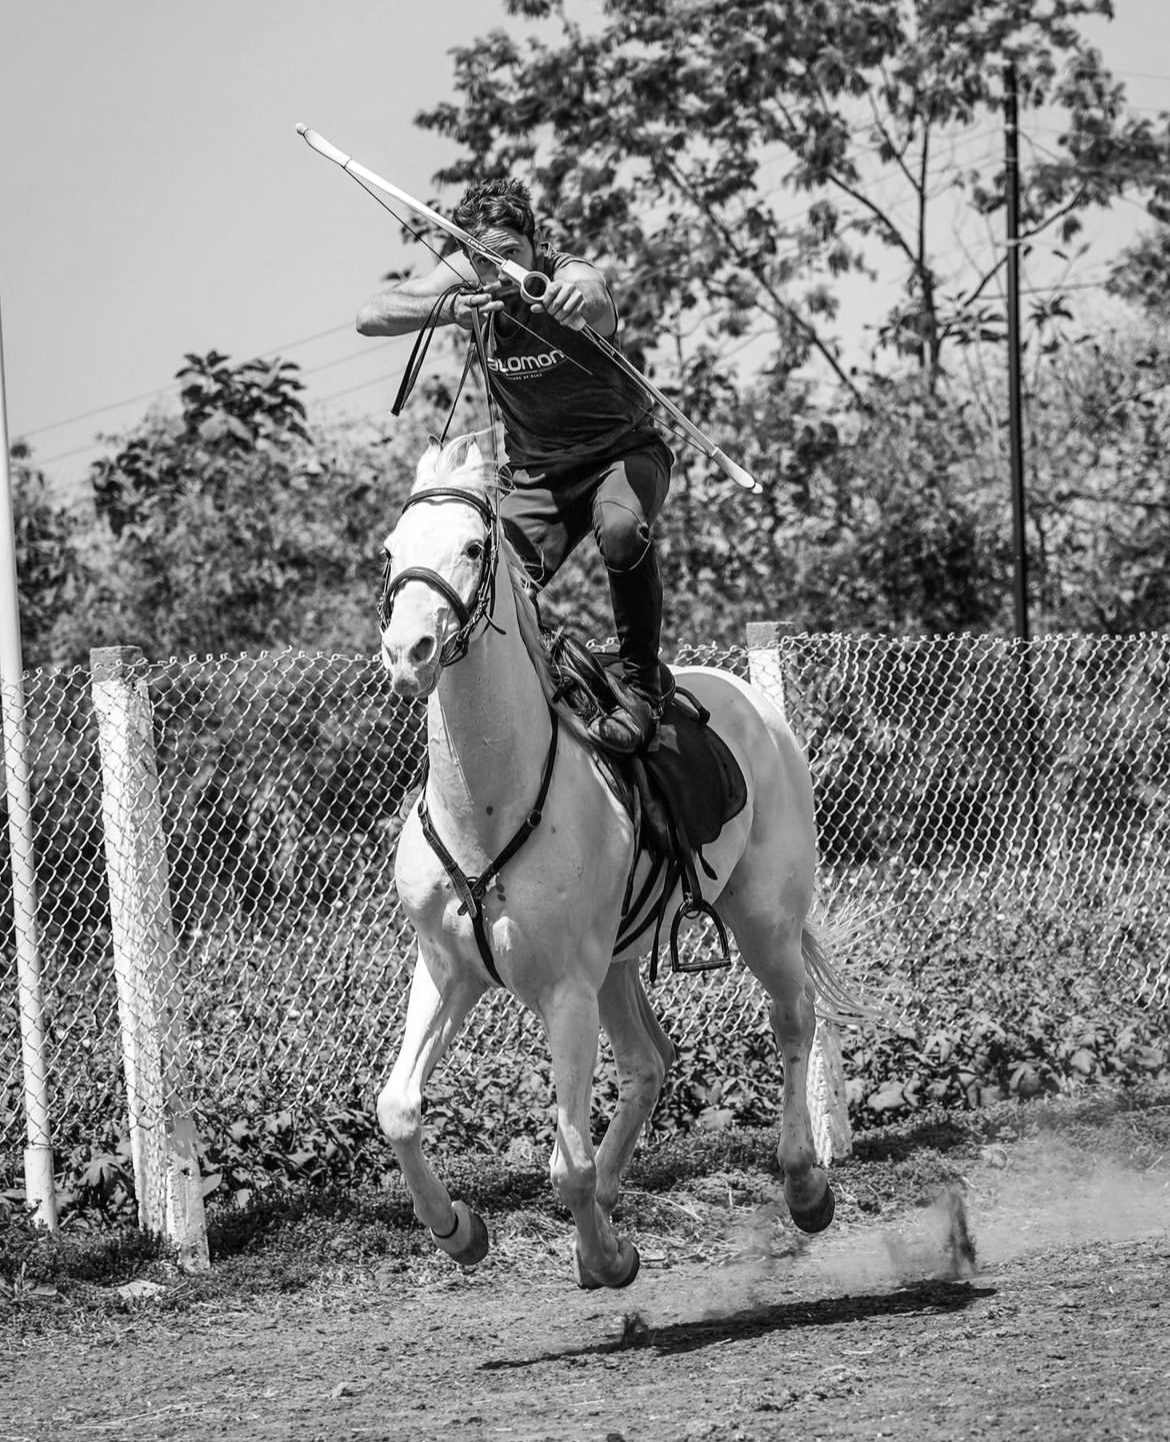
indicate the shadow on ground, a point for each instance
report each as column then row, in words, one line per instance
column 923, row 1298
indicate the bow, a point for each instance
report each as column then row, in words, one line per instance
column 533, row 285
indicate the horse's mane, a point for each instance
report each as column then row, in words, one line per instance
column 470, row 466
column 467, row 461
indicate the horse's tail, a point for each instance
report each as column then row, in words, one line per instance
column 837, row 999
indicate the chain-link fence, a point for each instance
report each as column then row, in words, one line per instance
column 956, row 777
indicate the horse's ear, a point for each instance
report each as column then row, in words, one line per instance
column 429, row 460
column 474, row 456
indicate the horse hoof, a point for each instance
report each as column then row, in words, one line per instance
column 468, row 1243
column 589, row 1281
column 815, row 1218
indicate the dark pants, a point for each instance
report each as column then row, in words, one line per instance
column 619, row 500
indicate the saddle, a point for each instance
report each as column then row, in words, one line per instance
column 680, row 793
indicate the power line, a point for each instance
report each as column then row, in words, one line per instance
column 96, row 411
column 162, row 391
column 96, row 443
column 66, row 455
column 386, row 378
column 1139, row 75
column 346, row 359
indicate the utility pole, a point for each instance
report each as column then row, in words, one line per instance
column 1015, row 389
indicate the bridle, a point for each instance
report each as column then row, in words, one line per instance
column 470, row 889
column 483, row 598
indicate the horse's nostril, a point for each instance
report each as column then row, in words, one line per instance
column 423, row 650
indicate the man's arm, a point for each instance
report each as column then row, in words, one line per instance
column 578, row 291
column 406, row 307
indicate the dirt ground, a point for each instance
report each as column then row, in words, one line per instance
column 876, row 1329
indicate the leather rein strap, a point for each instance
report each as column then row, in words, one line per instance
column 472, row 889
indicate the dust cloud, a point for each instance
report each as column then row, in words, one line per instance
column 1046, row 1192
column 1037, row 1194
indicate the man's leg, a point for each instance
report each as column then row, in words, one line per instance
column 542, row 528
column 625, row 506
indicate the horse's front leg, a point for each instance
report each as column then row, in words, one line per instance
column 571, row 1022
column 435, row 1012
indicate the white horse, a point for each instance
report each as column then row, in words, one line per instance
column 514, row 867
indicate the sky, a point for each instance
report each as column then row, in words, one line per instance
column 155, row 198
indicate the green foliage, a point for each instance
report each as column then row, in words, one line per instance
column 258, row 1153
column 1098, row 453
column 895, row 522
column 49, row 568
column 283, row 785
column 226, row 412
column 893, row 526
column 229, row 528
column 33, row 1261
column 973, row 754
column 1141, row 274
column 657, row 135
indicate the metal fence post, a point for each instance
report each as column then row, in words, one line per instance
column 827, row 1103
column 162, row 1133
column 30, row 1004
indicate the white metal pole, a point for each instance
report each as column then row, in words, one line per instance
column 38, row 1153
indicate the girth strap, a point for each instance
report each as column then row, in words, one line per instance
column 472, row 889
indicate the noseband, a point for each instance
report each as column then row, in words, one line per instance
column 483, row 598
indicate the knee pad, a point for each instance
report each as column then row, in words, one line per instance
column 623, row 536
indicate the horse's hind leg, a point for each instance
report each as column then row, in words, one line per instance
column 772, row 950
column 434, row 1015
column 643, row 1054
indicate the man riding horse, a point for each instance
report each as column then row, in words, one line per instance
column 582, row 450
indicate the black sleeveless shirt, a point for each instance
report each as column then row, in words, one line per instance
column 562, row 401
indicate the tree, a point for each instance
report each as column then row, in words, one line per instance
column 49, row 568
column 227, row 528
column 670, row 133
column 227, row 412
column 1100, row 482
column 1141, row 273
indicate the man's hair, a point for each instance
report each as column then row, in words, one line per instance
column 497, row 202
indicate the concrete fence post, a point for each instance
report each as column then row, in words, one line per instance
column 827, row 1101
column 162, row 1133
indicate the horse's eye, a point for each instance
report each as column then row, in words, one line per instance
column 474, row 550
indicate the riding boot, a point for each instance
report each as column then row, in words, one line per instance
column 637, row 611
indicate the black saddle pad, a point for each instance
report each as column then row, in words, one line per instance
column 693, row 770
column 688, row 770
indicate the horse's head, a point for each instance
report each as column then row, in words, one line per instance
column 439, row 580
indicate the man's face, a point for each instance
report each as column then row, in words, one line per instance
column 508, row 245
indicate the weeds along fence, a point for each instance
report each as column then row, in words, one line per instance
column 982, row 800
